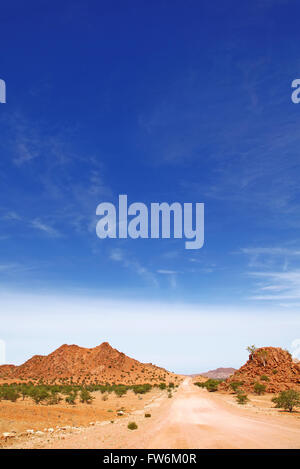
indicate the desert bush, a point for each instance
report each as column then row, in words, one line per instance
column 162, row 386
column 212, row 385
column 132, row 426
column 147, row 415
column 287, row 400
column 53, row 399
column 85, row 396
column 39, row 394
column 170, row 395
column 120, row 390
column 9, row 394
column 264, row 378
column 71, row 399
column 242, row 398
column 259, row 388
column 235, row 385
column 142, row 388
column 274, row 371
column 199, row 384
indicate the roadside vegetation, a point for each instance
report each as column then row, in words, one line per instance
column 211, row 384
column 49, row 394
column 132, row 426
column 287, row 400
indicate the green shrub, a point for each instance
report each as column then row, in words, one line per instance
column 274, row 371
column 132, row 426
column 85, row 396
column 53, row 399
column 212, row 385
column 39, row 394
column 259, row 388
column 120, row 390
column 235, row 385
column 242, row 398
column 142, row 388
column 71, row 398
column 264, row 378
column 9, row 394
column 200, row 385
column 287, row 400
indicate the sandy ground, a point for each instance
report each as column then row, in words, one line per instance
column 192, row 418
column 22, row 415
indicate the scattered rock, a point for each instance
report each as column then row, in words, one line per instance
column 7, row 435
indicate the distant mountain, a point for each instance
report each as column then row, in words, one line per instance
column 219, row 373
column 101, row 364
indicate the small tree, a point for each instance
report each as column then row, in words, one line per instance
column 39, row 394
column 263, row 355
column 287, row 400
column 251, row 349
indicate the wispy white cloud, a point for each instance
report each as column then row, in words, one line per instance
column 71, row 200
column 117, row 255
column 126, row 259
column 167, row 272
column 271, row 257
column 286, row 285
column 272, row 251
column 14, row 267
column 36, row 223
column 45, row 228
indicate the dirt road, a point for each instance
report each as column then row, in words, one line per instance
column 197, row 420
column 193, row 418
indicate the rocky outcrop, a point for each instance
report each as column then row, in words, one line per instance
column 271, row 366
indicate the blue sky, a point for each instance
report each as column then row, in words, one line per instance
column 163, row 101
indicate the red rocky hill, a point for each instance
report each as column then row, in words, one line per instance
column 271, row 366
column 101, row 364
